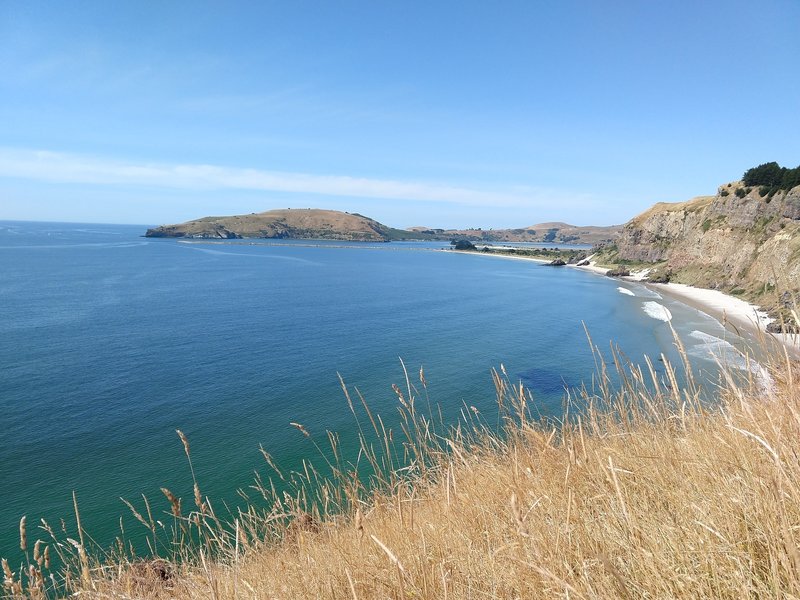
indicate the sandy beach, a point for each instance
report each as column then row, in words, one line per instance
column 743, row 318
column 722, row 306
column 734, row 313
column 506, row 256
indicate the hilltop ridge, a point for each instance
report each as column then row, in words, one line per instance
column 311, row 223
column 556, row 232
column 289, row 223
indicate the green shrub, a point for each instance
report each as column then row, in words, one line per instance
column 740, row 193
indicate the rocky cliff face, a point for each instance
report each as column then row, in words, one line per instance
column 737, row 241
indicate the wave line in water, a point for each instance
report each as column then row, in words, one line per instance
column 249, row 254
column 657, row 311
column 625, row 291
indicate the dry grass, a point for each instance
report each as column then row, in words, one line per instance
column 646, row 493
column 658, row 208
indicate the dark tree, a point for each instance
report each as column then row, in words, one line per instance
column 769, row 174
column 772, row 176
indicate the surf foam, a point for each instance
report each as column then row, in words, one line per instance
column 657, row 311
column 713, row 347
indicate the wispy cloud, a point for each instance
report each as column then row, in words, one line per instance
column 72, row 168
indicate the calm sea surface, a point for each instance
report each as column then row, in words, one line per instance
column 110, row 341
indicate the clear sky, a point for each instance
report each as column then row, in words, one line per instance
column 445, row 114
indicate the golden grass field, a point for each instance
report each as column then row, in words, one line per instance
column 642, row 491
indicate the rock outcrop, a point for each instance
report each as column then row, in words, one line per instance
column 215, row 231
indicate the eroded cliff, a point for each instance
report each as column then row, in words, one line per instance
column 744, row 241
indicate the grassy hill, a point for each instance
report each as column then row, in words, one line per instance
column 554, row 232
column 288, row 223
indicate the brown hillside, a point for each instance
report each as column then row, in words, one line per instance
column 285, row 223
column 556, row 232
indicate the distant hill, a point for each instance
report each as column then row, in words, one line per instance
column 290, row 223
column 312, row 223
column 556, row 232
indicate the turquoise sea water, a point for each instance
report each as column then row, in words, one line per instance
column 110, row 341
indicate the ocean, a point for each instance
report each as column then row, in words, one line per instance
column 109, row 342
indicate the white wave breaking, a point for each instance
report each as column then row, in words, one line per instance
column 657, row 311
column 712, row 347
column 625, row 291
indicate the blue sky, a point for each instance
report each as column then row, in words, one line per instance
column 446, row 114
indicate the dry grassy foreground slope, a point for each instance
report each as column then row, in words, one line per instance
column 668, row 500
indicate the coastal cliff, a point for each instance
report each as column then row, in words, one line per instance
column 287, row 224
column 744, row 241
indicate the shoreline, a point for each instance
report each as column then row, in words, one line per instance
column 737, row 315
column 743, row 318
column 494, row 255
column 727, row 309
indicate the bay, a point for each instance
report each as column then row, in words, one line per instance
column 109, row 342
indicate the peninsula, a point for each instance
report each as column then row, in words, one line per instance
column 290, row 223
column 317, row 224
